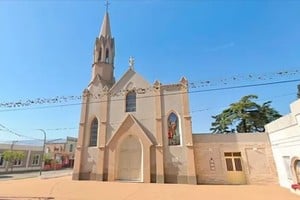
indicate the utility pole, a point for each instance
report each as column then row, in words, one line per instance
column 44, row 144
column 12, row 144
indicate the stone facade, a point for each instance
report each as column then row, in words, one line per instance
column 131, row 130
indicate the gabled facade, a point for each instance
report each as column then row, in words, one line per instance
column 132, row 130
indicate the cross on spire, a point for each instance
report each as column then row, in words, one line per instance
column 106, row 5
column 131, row 63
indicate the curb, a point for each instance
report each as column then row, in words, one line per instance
column 55, row 175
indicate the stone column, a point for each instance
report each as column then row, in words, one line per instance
column 146, row 167
column 187, row 123
column 102, row 137
column 111, row 166
column 82, row 130
column 159, row 137
column 28, row 159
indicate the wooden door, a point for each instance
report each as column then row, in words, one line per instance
column 130, row 160
column 235, row 173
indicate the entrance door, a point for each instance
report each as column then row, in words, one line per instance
column 130, row 160
column 235, row 173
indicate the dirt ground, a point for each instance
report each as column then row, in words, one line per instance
column 65, row 188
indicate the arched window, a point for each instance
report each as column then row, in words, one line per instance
column 100, row 55
column 107, row 56
column 131, row 101
column 173, row 130
column 94, row 132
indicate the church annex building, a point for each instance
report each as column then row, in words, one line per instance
column 131, row 130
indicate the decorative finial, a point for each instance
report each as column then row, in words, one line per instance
column 106, row 5
column 131, row 63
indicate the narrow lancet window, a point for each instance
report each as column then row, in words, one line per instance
column 94, row 132
column 107, row 56
column 100, row 55
column 131, row 101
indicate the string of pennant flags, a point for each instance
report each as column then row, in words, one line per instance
column 248, row 77
column 19, row 135
column 191, row 86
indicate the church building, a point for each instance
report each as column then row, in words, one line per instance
column 133, row 130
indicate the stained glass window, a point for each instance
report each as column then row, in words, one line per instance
column 173, row 130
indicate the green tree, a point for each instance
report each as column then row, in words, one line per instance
column 47, row 159
column 222, row 122
column 11, row 157
column 244, row 116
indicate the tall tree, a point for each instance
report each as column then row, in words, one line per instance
column 244, row 116
column 222, row 122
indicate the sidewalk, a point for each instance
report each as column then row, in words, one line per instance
column 45, row 174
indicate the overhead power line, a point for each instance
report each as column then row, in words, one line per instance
column 151, row 96
column 249, row 77
column 192, row 85
column 245, row 86
column 5, row 129
column 119, row 122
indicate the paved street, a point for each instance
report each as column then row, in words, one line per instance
column 45, row 174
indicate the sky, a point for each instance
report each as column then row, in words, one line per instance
column 46, row 51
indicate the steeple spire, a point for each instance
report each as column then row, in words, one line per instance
column 104, row 54
column 105, row 28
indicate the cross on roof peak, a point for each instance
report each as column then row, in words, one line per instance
column 106, row 5
column 131, row 63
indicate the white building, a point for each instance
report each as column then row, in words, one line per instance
column 30, row 162
column 284, row 134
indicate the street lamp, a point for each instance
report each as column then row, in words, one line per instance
column 42, row 159
column 12, row 144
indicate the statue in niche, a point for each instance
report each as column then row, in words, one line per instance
column 173, row 130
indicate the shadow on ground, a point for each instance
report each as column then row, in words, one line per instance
column 5, row 176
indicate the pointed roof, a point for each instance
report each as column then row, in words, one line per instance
column 105, row 28
column 128, row 123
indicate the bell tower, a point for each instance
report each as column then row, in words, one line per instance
column 104, row 53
